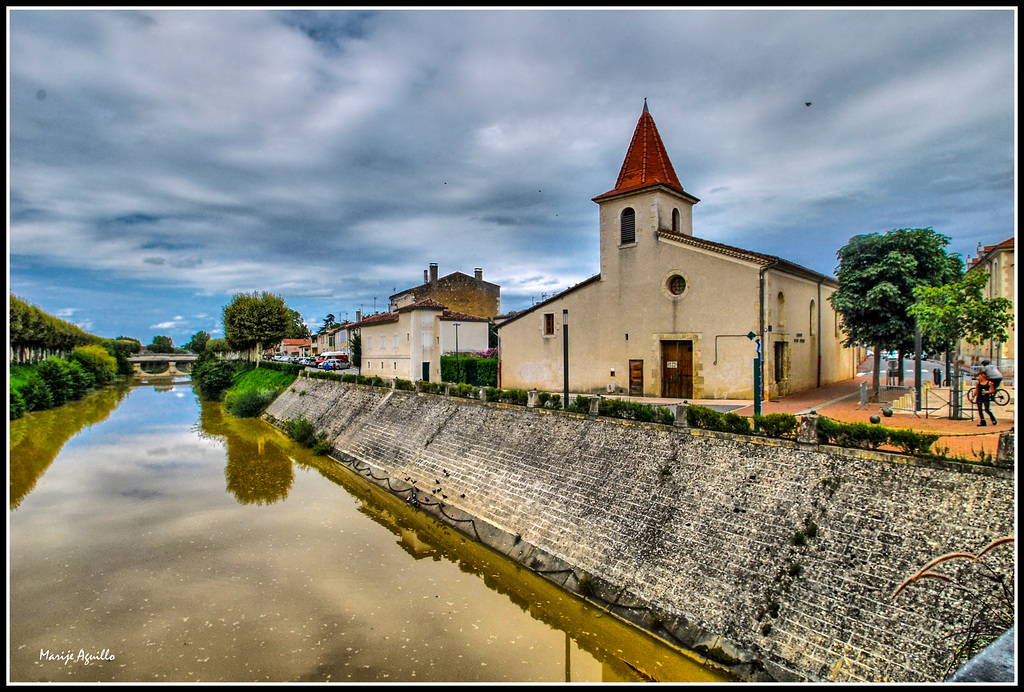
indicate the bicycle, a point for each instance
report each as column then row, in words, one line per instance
column 1001, row 397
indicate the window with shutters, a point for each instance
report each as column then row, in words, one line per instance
column 627, row 227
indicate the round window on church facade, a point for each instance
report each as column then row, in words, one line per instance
column 676, row 285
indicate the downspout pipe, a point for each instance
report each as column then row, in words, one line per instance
column 820, row 333
column 761, row 333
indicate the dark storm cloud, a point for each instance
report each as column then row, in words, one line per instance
column 330, row 156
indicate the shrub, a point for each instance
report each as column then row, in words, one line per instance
column 663, row 414
column 211, row 375
column 95, row 359
column 432, row 387
column 37, row 395
column 709, row 419
column 321, row 446
column 249, row 403
column 404, row 385
column 81, row 380
column 777, row 424
column 301, row 430
column 17, row 407
column 867, row 436
column 911, row 442
column 555, row 401
column 55, row 373
column 581, row 404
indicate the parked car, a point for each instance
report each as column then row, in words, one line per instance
column 334, row 364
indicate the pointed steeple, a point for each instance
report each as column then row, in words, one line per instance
column 647, row 163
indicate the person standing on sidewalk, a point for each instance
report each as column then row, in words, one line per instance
column 986, row 391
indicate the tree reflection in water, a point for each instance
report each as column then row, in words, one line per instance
column 37, row 437
column 259, row 470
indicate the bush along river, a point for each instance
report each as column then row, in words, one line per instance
column 153, row 537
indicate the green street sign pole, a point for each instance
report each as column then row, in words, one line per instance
column 757, row 380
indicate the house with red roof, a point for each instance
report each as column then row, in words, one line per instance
column 671, row 314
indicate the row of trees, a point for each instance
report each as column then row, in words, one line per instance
column 56, row 381
column 36, row 334
column 892, row 285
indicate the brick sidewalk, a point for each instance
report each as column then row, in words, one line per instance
column 841, row 401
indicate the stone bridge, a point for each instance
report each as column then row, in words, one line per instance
column 171, row 359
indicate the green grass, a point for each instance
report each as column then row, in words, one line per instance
column 262, row 379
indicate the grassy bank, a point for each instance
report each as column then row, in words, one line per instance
column 252, row 390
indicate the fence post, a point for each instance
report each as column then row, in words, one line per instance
column 680, row 421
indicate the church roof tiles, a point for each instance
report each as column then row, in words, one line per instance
column 647, row 163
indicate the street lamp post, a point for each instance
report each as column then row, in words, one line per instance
column 565, row 358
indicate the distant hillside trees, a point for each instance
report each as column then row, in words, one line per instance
column 37, row 335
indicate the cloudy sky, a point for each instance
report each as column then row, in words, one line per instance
column 161, row 161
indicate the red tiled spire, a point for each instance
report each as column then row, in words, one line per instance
column 646, row 163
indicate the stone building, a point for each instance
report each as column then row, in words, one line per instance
column 456, row 291
column 671, row 314
column 998, row 262
column 408, row 341
column 336, row 339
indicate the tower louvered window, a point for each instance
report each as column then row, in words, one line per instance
column 627, row 227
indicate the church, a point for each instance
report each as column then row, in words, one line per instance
column 673, row 315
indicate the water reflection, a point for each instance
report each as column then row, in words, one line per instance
column 625, row 653
column 259, row 470
column 131, row 544
column 37, row 437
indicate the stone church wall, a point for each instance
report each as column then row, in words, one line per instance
column 690, row 534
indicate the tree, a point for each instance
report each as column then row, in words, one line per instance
column 297, row 329
column 198, row 342
column 959, row 311
column 329, row 322
column 162, row 344
column 253, row 320
column 355, row 343
column 877, row 276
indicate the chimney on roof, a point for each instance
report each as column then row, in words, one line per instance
column 359, row 315
column 433, row 272
column 426, row 279
column 479, row 273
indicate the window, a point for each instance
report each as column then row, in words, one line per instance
column 675, row 221
column 383, row 345
column 676, row 285
column 810, row 320
column 627, row 227
column 549, row 323
column 395, row 340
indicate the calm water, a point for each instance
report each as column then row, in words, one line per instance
column 173, row 542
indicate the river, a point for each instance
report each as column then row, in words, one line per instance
column 154, row 538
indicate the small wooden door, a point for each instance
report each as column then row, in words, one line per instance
column 636, row 378
column 426, row 371
column 677, row 369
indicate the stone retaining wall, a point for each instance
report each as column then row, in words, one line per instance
column 690, row 534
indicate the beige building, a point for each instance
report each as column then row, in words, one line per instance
column 998, row 262
column 336, row 339
column 457, row 291
column 408, row 342
column 673, row 315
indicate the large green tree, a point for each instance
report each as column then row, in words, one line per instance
column 255, row 320
column 877, row 276
column 959, row 311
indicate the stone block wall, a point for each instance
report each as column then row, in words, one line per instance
column 690, row 534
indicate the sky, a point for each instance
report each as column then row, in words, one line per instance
column 161, row 161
